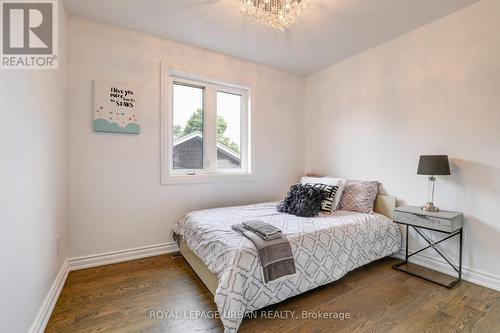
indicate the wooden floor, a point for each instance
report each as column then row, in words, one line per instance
column 119, row 298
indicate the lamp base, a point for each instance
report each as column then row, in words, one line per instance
column 429, row 207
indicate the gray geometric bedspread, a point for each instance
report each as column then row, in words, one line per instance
column 325, row 248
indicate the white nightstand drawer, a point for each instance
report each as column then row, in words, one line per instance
column 447, row 225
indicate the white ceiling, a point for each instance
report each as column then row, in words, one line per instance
column 332, row 31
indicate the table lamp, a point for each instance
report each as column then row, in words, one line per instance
column 432, row 166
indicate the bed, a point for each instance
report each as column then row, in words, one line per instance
column 325, row 249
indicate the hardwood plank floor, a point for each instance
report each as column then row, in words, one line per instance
column 120, row 298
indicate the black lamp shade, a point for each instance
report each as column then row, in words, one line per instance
column 434, row 165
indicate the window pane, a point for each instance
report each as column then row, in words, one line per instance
column 188, row 126
column 228, row 130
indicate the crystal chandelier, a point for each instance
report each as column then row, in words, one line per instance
column 279, row 14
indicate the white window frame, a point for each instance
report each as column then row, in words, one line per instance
column 210, row 173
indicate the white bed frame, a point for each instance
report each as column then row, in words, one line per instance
column 384, row 204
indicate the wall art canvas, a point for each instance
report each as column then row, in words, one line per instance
column 115, row 107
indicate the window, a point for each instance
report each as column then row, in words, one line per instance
column 228, row 130
column 205, row 132
column 188, row 126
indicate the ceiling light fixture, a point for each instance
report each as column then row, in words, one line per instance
column 279, row 14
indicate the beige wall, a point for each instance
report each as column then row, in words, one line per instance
column 434, row 90
column 32, row 195
column 115, row 200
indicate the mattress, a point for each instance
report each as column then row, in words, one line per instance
column 325, row 248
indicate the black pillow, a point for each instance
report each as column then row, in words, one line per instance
column 329, row 192
column 302, row 200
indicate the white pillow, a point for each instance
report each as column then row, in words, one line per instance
column 340, row 182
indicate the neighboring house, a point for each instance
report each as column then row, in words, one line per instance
column 188, row 153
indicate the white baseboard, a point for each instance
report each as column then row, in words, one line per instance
column 73, row 264
column 48, row 304
column 468, row 274
column 120, row 256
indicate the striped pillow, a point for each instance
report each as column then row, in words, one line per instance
column 339, row 182
column 328, row 192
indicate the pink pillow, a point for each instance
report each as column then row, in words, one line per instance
column 359, row 196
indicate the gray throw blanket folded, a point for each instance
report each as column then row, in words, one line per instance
column 276, row 256
column 264, row 230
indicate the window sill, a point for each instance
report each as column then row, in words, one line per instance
column 207, row 178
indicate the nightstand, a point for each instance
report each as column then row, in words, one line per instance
column 445, row 222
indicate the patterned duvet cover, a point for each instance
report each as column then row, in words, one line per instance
column 325, row 248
